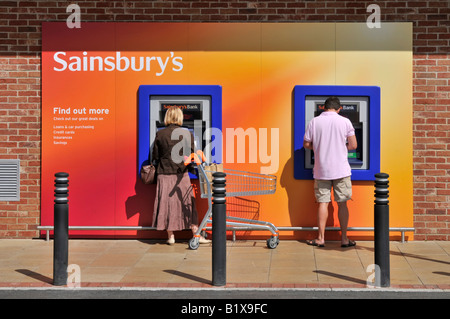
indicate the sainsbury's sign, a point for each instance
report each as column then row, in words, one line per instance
column 118, row 62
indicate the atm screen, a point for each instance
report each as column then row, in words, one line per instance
column 351, row 112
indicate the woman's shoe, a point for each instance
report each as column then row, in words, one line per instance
column 171, row 241
column 203, row 240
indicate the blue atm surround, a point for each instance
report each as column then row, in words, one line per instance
column 300, row 94
column 146, row 91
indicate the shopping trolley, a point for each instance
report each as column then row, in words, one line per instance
column 238, row 183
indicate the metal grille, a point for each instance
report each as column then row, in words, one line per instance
column 9, row 180
column 240, row 183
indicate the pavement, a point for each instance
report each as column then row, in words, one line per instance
column 152, row 264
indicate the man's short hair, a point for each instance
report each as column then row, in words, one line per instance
column 332, row 102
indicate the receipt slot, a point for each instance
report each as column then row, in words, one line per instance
column 202, row 115
column 361, row 105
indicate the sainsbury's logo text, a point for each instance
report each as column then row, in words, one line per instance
column 85, row 63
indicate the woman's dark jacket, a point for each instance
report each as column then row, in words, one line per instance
column 166, row 141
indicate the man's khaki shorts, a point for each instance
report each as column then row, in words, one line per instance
column 342, row 189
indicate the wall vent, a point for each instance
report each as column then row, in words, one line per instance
column 9, row 180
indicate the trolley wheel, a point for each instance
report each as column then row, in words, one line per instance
column 272, row 242
column 194, row 243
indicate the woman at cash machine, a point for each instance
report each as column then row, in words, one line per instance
column 175, row 207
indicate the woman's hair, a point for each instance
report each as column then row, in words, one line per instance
column 174, row 115
column 332, row 103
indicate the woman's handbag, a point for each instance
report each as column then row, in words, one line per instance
column 148, row 174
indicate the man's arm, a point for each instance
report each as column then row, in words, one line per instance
column 307, row 145
column 352, row 143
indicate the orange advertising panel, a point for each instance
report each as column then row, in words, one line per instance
column 90, row 82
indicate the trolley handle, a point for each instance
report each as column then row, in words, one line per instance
column 196, row 158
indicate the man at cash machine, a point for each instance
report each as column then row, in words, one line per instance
column 331, row 136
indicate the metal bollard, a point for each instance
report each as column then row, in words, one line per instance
column 219, row 234
column 381, row 223
column 61, row 230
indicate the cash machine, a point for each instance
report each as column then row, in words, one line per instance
column 361, row 105
column 202, row 112
column 196, row 115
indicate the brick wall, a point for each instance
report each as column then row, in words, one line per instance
column 20, row 45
